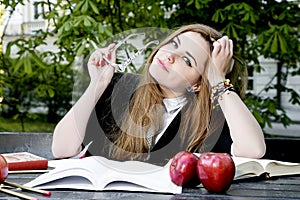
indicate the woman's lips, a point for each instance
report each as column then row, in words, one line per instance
column 161, row 63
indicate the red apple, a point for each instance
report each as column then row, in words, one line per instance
column 216, row 171
column 3, row 169
column 183, row 169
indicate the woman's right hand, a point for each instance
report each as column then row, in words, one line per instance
column 99, row 69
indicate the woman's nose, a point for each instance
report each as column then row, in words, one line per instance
column 170, row 57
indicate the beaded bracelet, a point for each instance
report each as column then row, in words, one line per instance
column 218, row 90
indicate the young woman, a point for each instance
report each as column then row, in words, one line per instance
column 186, row 99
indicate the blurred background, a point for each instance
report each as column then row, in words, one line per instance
column 45, row 44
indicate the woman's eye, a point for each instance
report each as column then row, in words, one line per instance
column 174, row 44
column 187, row 61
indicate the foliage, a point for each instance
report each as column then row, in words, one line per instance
column 258, row 28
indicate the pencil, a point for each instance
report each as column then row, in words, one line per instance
column 44, row 192
column 17, row 194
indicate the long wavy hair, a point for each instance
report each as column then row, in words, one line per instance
column 143, row 112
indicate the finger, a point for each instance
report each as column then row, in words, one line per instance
column 111, row 46
column 93, row 59
column 98, row 58
column 231, row 47
column 110, row 49
column 112, row 53
column 217, row 48
column 223, row 41
column 228, row 46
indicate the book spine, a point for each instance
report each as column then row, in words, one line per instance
column 28, row 165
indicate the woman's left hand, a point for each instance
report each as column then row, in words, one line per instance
column 221, row 60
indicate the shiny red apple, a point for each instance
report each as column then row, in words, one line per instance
column 3, row 169
column 216, row 171
column 183, row 169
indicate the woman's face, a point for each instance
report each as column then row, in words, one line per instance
column 180, row 63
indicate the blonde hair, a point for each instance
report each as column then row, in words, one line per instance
column 143, row 113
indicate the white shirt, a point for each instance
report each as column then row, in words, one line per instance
column 173, row 107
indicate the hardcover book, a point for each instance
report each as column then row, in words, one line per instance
column 25, row 161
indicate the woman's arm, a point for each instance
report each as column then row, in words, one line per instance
column 70, row 131
column 245, row 131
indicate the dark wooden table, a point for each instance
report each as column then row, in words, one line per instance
column 274, row 188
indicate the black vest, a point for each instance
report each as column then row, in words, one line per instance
column 103, row 124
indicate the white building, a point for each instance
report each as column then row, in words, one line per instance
column 23, row 22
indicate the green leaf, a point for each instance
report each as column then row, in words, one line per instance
column 267, row 45
column 38, row 61
column 80, row 49
column 110, row 34
column 27, row 65
column 190, row 2
column 197, row 4
column 18, row 64
column 78, row 6
column 252, row 18
column 260, row 39
column 101, row 28
column 218, row 16
column 283, row 44
column 246, row 17
column 274, row 45
column 87, row 22
column 258, row 116
column 234, row 33
column 85, row 7
column 51, row 92
column 282, row 16
column 77, row 21
column 286, row 29
column 94, row 7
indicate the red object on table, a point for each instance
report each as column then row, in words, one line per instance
column 25, row 161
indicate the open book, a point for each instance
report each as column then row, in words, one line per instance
column 99, row 174
column 247, row 168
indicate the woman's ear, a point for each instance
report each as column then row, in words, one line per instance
column 194, row 88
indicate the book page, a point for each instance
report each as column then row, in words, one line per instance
column 56, row 182
column 63, row 178
column 104, row 174
column 246, row 168
column 279, row 168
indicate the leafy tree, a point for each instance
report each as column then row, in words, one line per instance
column 260, row 28
column 33, row 78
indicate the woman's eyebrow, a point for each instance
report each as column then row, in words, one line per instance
column 188, row 53
column 179, row 42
